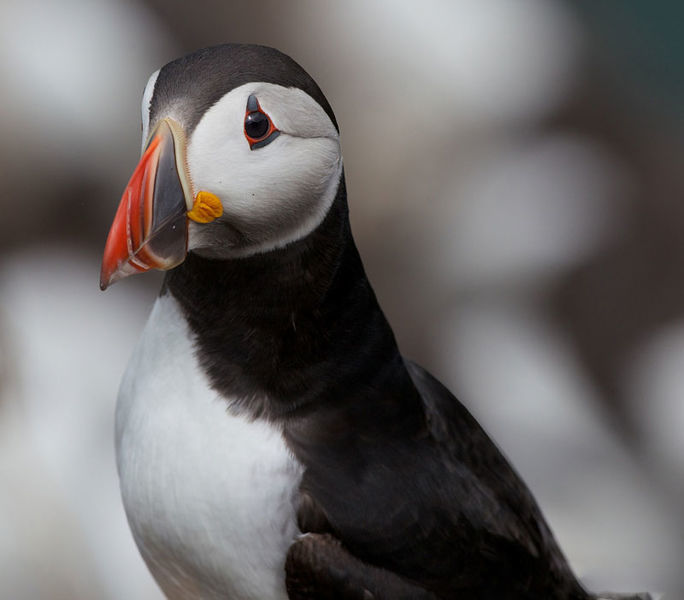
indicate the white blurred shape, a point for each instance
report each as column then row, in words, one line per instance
column 654, row 384
column 529, row 211
column 498, row 60
column 521, row 381
column 67, row 344
column 72, row 73
column 512, row 367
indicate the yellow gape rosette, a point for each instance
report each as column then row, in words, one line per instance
column 207, row 208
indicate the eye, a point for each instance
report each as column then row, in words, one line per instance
column 256, row 125
column 259, row 129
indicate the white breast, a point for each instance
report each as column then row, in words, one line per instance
column 208, row 494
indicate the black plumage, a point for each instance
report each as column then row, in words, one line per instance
column 396, row 468
column 200, row 79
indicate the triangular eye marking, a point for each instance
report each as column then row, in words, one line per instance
column 259, row 129
column 252, row 103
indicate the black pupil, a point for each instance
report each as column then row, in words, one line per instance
column 256, row 125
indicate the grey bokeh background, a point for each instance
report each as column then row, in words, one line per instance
column 515, row 179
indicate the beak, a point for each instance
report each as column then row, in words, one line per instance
column 150, row 229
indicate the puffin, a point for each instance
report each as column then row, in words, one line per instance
column 272, row 441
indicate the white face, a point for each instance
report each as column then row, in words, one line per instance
column 271, row 195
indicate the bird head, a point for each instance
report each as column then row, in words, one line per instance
column 241, row 155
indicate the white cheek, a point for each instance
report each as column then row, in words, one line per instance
column 217, row 147
column 290, row 174
column 279, row 192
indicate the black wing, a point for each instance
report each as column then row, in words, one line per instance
column 501, row 507
column 410, row 484
column 318, row 567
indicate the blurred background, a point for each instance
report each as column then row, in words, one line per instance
column 515, row 179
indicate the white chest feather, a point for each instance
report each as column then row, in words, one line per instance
column 209, row 495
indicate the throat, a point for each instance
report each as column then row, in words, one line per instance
column 284, row 330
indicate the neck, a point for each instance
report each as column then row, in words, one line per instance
column 278, row 332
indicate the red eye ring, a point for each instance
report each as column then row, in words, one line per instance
column 258, row 127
